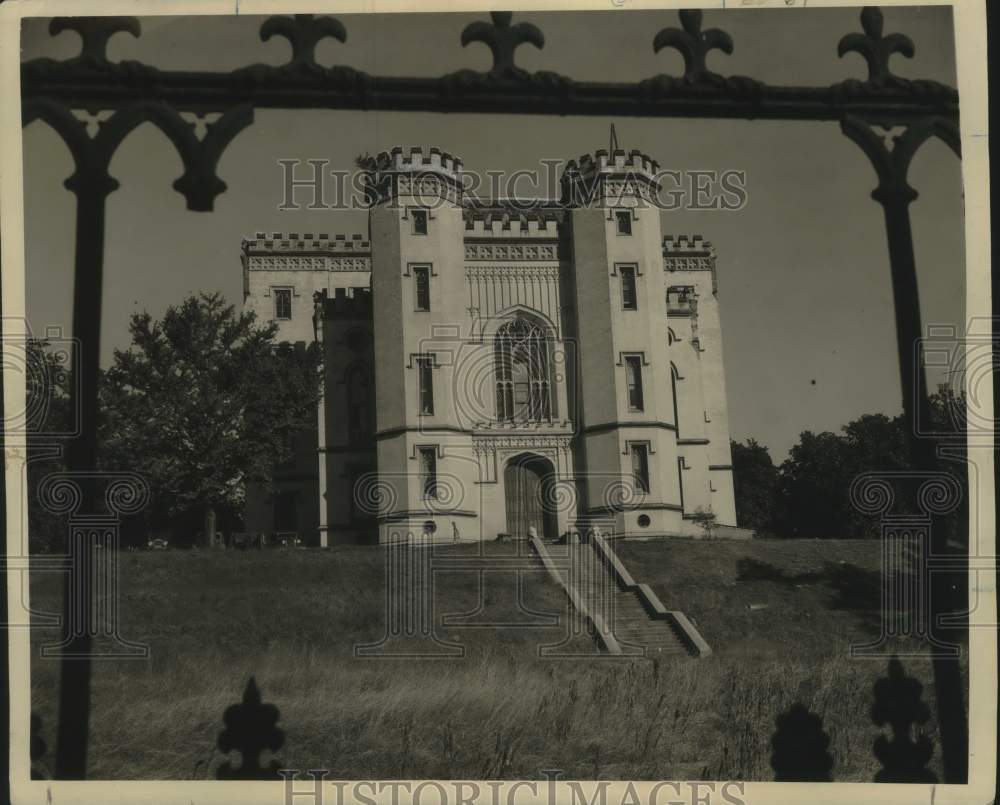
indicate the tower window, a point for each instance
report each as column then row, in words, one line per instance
column 629, row 300
column 633, row 381
column 282, row 303
column 419, row 219
column 425, row 382
column 521, row 367
column 623, row 222
column 422, row 287
column 428, row 472
column 640, row 467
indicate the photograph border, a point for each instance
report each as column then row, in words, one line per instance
column 970, row 31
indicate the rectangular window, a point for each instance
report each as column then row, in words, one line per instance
column 640, row 467
column 425, row 381
column 419, row 218
column 629, row 299
column 623, row 220
column 428, row 472
column 633, row 380
column 422, row 286
column 282, row 303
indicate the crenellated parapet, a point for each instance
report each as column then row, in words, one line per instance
column 346, row 303
column 689, row 253
column 618, row 178
column 397, row 159
column 424, row 177
column 308, row 243
column 500, row 223
column 687, row 246
column 306, row 252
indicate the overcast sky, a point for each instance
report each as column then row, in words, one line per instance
column 803, row 268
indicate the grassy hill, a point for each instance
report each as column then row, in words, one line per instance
column 767, row 598
column 291, row 619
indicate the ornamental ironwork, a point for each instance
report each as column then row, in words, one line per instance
column 136, row 93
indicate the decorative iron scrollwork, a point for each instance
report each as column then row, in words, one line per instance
column 694, row 45
column 892, row 160
column 199, row 184
column 303, row 32
column 92, row 155
column 95, row 33
column 876, row 49
column 503, row 39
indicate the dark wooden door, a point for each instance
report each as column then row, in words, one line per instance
column 526, row 487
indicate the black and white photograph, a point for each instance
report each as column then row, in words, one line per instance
column 587, row 405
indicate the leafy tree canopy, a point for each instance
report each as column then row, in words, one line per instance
column 205, row 402
column 809, row 494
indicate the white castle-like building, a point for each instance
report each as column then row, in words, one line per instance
column 490, row 368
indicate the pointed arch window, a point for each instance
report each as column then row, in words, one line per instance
column 521, row 365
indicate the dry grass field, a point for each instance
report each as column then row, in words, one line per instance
column 291, row 620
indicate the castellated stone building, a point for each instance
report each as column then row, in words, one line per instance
column 491, row 368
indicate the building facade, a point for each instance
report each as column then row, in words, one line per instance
column 491, row 368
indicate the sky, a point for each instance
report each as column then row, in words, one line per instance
column 804, row 289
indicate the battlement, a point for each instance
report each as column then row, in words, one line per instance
column 690, row 253
column 605, row 178
column 497, row 223
column 435, row 160
column 395, row 173
column 346, row 303
column 307, row 243
column 616, row 162
column 687, row 246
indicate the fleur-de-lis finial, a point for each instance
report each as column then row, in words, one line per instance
column 874, row 47
column 503, row 39
column 250, row 729
column 95, row 33
column 693, row 44
column 303, row 32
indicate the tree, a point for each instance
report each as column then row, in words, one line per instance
column 815, row 480
column 756, row 487
column 815, row 483
column 949, row 424
column 705, row 519
column 47, row 422
column 205, row 402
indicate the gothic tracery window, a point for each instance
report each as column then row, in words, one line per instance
column 521, row 365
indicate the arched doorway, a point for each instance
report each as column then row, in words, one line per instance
column 528, row 483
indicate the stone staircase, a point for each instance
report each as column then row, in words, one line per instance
column 627, row 618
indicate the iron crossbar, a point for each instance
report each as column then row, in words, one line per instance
column 91, row 81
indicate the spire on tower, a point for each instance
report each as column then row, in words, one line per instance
column 613, row 140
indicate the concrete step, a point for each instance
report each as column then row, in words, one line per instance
column 623, row 610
